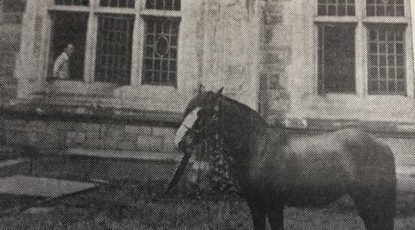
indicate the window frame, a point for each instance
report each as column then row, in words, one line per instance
column 363, row 23
column 321, row 81
column 139, row 12
column 143, row 70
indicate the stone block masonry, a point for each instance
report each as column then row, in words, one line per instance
column 60, row 135
column 105, row 150
column 276, row 55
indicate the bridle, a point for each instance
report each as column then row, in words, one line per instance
column 208, row 126
column 220, row 130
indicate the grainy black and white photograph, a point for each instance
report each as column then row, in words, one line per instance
column 207, row 114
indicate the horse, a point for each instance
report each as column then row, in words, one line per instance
column 275, row 169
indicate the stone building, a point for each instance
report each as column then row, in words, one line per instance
column 315, row 65
column 12, row 11
column 11, row 14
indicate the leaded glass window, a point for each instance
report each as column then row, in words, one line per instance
column 387, row 60
column 163, row 4
column 113, row 34
column 160, row 51
column 113, row 61
column 392, row 8
column 336, row 7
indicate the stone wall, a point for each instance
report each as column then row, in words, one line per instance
column 9, row 48
column 1, row 11
column 12, row 11
column 276, row 50
column 60, row 135
column 230, row 47
column 218, row 47
column 289, row 71
column 87, row 150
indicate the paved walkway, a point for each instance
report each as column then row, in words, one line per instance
column 406, row 178
column 41, row 187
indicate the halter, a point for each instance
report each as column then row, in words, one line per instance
column 215, row 118
column 207, row 126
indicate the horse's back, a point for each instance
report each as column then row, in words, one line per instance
column 335, row 162
column 360, row 147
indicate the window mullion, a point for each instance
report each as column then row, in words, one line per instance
column 361, row 61
column 90, row 48
column 92, row 38
column 137, row 50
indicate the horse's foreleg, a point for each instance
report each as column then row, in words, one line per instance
column 258, row 214
column 276, row 217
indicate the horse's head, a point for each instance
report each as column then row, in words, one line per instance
column 201, row 120
column 210, row 115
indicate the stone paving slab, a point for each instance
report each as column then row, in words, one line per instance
column 406, row 171
column 20, row 185
column 122, row 154
column 406, row 178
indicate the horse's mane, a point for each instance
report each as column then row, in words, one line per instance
column 247, row 111
column 253, row 115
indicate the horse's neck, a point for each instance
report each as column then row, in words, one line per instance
column 241, row 129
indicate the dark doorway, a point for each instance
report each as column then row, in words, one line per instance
column 69, row 27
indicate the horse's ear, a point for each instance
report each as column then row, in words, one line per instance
column 201, row 89
column 220, row 91
column 218, row 94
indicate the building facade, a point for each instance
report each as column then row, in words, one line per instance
column 139, row 54
column 11, row 14
column 315, row 65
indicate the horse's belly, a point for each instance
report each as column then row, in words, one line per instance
column 311, row 199
column 315, row 167
column 317, row 181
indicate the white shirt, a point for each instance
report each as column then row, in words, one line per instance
column 61, row 67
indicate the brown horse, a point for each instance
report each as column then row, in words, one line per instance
column 274, row 169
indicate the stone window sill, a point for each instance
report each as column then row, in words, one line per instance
column 77, row 88
column 78, row 113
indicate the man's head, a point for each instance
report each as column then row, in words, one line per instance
column 69, row 49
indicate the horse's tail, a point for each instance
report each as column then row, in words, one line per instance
column 388, row 180
column 387, row 187
column 374, row 160
column 375, row 191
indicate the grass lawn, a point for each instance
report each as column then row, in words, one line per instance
column 97, row 210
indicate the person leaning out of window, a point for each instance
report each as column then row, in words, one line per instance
column 61, row 65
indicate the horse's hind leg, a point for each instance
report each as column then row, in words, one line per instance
column 376, row 207
column 258, row 214
column 275, row 211
column 276, row 218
